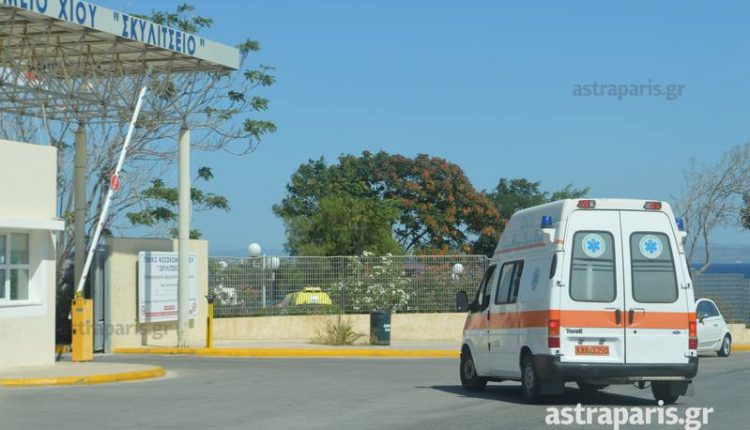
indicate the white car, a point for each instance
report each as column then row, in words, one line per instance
column 713, row 332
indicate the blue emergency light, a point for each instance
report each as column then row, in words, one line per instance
column 546, row 221
column 680, row 224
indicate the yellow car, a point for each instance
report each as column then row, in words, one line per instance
column 308, row 296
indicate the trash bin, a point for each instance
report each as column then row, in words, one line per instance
column 380, row 328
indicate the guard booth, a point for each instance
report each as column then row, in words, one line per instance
column 70, row 65
column 28, row 237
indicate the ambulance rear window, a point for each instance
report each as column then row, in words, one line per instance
column 654, row 278
column 592, row 275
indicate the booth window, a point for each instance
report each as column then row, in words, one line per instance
column 14, row 267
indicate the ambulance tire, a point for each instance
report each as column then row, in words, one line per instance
column 470, row 380
column 587, row 388
column 726, row 347
column 530, row 383
column 661, row 391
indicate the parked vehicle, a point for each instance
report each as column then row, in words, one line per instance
column 592, row 291
column 713, row 332
column 308, row 296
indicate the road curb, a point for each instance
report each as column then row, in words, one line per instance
column 292, row 352
column 741, row 347
column 135, row 375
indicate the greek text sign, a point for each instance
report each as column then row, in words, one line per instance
column 157, row 287
column 130, row 27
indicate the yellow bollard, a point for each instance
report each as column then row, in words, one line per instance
column 83, row 330
column 210, row 326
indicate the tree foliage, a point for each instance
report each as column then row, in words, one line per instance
column 714, row 195
column 439, row 210
column 344, row 225
column 160, row 204
column 512, row 195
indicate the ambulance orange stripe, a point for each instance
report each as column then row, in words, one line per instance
column 590, row 319
column 578, row 319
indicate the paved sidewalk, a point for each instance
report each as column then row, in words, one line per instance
column 68, row 373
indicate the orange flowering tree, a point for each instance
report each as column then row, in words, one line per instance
column 439, row 210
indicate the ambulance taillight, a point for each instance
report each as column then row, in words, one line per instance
column 553, row 334
column 692, row 335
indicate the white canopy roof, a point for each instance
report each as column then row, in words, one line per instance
column 53, row 52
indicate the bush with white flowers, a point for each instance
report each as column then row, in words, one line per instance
column 375, row 283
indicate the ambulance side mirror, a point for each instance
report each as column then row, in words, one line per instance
column 462, row 301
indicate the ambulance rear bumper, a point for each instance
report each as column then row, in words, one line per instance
column 549, row 367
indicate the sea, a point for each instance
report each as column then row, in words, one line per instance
column 743, row 268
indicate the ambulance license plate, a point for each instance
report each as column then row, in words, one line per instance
column 592, row 349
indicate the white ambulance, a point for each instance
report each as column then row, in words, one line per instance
column 593, row 291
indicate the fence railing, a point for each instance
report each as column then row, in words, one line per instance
column 730, row 291
column 256, row 287
column 259, row 286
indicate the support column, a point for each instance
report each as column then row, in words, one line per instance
column 183, row 250
column 79, row 190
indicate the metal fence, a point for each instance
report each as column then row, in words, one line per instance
column 730, row 291
column 258, row 286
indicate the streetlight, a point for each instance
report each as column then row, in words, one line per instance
column 254, row 250
column 273, row 263
column 457, row 271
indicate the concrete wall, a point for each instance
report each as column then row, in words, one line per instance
column 740, row 334
column 122, row 301
column 28, row 181
column 446, row 327
column 404, row 327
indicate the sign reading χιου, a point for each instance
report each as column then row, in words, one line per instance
column 131, row 27
column 157, row 286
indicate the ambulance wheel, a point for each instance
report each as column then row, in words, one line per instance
column 530, row 383
column 470, row 380
column 662, row 392
column 726, row 347
column 587, row 388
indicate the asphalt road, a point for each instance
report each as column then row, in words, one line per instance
column 226, row 393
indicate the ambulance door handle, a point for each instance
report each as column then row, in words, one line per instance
column 631, row 314
column 618, row 315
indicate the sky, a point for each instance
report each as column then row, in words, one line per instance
column 489, row 85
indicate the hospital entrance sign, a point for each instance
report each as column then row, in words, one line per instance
column 157, row 287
